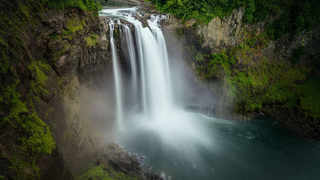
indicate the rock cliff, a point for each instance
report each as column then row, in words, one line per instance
column 247, row 72
column 54, row 64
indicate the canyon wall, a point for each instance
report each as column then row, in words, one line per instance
column 55, row 69
column 248, row 73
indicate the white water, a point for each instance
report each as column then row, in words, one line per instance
column 133, row 65
column 117, row 77
column 174, row 127
column 192, row 146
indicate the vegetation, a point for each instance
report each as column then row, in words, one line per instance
column 297, row 54
column 34, row 135
column 296, row 15
column 103, row 173
column 92, row 40
column 85, row 5
column 74, row 24
column 38, row 84
column 19, row 93
column 266, row 83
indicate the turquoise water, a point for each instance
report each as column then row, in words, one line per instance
column 261, row 149
column 190, row 146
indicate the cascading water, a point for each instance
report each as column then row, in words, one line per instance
column 117, row 77
column 190, row 145
column 170, row 123
column 133, row 64
column 157, row 91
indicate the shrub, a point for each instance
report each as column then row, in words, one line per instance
column 297, row 54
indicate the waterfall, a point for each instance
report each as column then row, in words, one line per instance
column 117, row 77
column 133, row 64
column 142, row 69
column 154, row 70
column 159, row 119
column 154, row 25
column 149, row 73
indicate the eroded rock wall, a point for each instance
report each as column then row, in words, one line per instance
column 61, row 63
column 247, row 72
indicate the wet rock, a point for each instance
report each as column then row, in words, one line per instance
column 171, row 25
column 147, row 16
column 149, row 9
column 142, row 20
column 121, row 160
column 190, row 22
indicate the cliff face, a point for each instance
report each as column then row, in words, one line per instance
column 54, row 65
column 248, row 72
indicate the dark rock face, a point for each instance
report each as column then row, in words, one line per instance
column 121, row 160
column 71, row 49
column 296, row 121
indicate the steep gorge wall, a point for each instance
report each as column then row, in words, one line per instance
column 248, row 72
column 55, row 66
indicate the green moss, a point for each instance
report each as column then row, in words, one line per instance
column 25, row 11
column 2, row 177
column 55, row 36
column 282, row 85
column 19, row 165
column 4, row 65
column 309, row 96
column 94, row 173
column 103, row 173
column 39, row 83
column 269, row 83
column 2, row 42
column 74, row 24
column 39, row 139
column 34, row 136
column 92, row 40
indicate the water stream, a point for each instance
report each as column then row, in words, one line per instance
column 117, row 76
column 187, row 145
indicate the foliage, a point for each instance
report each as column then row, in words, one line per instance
column 266, row 82
column 202, row 10
column 37, row 138
column 297, row 54
column 296, row 15
column 104, row 173
column 39, row 68
column 309, row 96
column 251, row 8
column 92, row 40
column 85, row 5
column 74, row 24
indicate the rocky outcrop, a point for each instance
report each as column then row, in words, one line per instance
column 121, row 160
column 247, row 49
column 221, row 33
column 62, row 63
